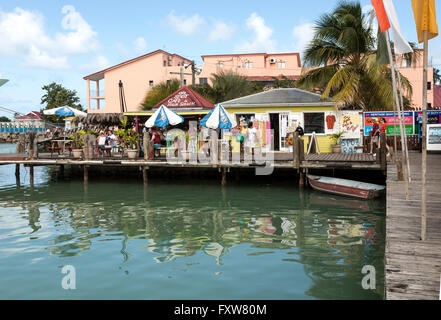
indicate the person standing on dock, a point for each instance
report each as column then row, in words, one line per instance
column 383, row 129
column 375, row 135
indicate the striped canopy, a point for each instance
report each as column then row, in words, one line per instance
column 163, row 117
column 219, row 118
column 65, row 112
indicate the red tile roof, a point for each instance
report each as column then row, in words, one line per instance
column 185, row 98
column 33, row 115
column 269, row 78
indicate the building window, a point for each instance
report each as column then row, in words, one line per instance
column 165, row 63
column 429, row 85
column 429, row 106
column 281, row 65
column 220, row 65
column 248, row 65
column 405, row 63
column 185, row 82
column 203, row 80
column 314, row 122
column 151, row 83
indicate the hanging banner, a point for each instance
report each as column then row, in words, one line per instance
column 388, row 117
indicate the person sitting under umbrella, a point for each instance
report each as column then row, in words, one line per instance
column 102, row 144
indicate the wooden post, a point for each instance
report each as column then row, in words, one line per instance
column 383, row 160
column 86, row 147
column 17, row 172
column 400, row 175
column 86, row 173
column 146, row 142
column 144, row 174
column 224, row 177
column 296, row 151
column 301, row 151
column 424, row 142
column 301, row 178
column 31, row 174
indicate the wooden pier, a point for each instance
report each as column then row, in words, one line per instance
column 413, row 267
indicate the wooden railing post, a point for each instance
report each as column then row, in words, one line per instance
column 146, row 142
column 382, row 151
column 296, row 151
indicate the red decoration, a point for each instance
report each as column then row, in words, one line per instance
column 330, row 120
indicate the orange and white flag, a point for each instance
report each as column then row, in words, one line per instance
column 382, row 18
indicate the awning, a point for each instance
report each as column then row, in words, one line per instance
column 181, row 113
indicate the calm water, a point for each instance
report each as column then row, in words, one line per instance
column 184, row 240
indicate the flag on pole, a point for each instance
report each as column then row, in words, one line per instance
column 401, row 45
column 382, row 56
column 425, row 18
column 380, row 11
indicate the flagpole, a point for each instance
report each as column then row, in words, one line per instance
column 394, row 86
column 404, row 123
column 424, row 142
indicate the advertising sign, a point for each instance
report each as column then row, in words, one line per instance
column 433, row 117
column 388, row 116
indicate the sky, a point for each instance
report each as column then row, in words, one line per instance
column 44, row 41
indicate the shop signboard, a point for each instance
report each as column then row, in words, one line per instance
column 391, row 122
column 433, row 117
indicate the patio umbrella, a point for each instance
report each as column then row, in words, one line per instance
column 163, row 117
column 218, row 118
column 65, row 112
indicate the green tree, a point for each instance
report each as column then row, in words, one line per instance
column 284, row 82
column 159, row 92
column 343, row 49
column 227, row 85
column 57, row 96
column 4, row 119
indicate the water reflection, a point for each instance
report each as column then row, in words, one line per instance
column 330, row 237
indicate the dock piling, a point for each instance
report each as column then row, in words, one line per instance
column 86, row 173
column 224, row 177
column 144, row 175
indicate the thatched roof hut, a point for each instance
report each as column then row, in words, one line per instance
column 104, row 119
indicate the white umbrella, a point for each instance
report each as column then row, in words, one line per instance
column 64, row 112
column 218, row 118
column 163, row 117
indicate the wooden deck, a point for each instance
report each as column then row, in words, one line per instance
column 413, row 267
column 281, row 160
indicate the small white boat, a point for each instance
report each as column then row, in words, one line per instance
column 345, row 187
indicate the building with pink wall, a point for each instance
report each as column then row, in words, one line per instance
column 254, row 66
column 138, row 75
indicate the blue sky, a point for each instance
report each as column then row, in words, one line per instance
column 62, row 41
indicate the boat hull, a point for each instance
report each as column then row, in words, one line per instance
column 342, row 190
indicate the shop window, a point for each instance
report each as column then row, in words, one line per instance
column 314, row 122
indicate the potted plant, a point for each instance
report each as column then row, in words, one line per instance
column 77, row 143
column 130, row 139
column 336, row 137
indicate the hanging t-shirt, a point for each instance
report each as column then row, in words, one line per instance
column 330, row 120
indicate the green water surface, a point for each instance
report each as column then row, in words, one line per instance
column 183, row 240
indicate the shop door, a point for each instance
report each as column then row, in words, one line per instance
column 274, row 125
column 283, row 125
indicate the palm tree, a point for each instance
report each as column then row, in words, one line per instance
column 159, row 92
column 344, row 49
column 227, row 85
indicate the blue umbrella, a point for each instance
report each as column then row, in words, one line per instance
column 163, row 117
column 64, row 112
column 218, row 118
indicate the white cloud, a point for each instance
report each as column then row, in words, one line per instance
column 262, row 36
column 140, row 45
column 183, row 25
column 23, row 34
column 100, row 62
column 82, row 39
column 221, row 31
column 303, row 35
column 42, row 59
